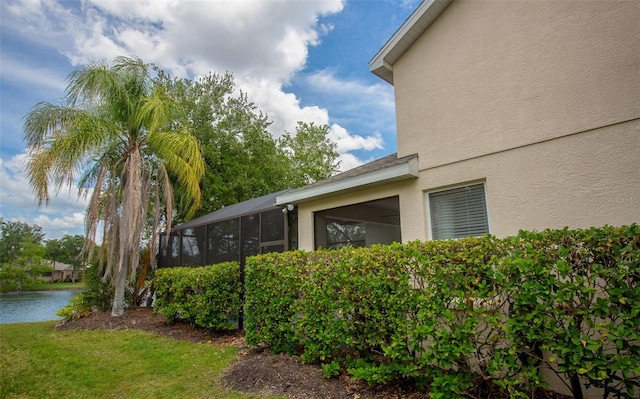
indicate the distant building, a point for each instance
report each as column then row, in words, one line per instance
column 61, row 272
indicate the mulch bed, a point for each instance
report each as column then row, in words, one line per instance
column 143, row 319
column 257, row 371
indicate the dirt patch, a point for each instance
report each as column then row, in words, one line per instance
column 257, row 371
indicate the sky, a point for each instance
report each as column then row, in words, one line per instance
column 297, row 60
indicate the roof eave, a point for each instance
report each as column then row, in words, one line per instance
column 418, row 22
column 376, row 178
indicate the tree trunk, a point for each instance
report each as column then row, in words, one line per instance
column 576, row 387
column 129, row 228
column 117, row 310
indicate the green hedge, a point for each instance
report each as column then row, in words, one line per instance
column 206, row 296
column 461, row 313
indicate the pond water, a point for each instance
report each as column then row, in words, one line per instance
column 30, row 306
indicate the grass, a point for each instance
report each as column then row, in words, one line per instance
column 46, row 287
column 37, row 361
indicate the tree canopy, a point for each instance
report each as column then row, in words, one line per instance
column 21, row 253
column 114, row 128
column 311, row 156
column 151, row 149
column 13, row 236
column 242, row 159
column 67, row 250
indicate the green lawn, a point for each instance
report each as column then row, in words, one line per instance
column 37, row 361
column 46, row 287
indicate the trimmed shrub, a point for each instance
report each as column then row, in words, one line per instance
column 460, row 313
column 272, row 286
column 576, row 296
column 207, row 296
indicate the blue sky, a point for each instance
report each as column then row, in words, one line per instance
column 298, row 60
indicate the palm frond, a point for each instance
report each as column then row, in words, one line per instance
column 97, row 84
column 155, row 110
column 93, row 210
column 45, row 119
column 37, row 170
column 181, row 155
column 109, row 132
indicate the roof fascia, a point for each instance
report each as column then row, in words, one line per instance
column 418, row 22
column 393, row 173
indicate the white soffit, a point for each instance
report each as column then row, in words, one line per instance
column 376, row 178
column 418, row 22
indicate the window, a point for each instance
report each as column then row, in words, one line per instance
column 340, row 234
column 192, row 246
column 458, row 212
column 223, row 240
column 359, row 225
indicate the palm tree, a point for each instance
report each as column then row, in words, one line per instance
column 110, row 132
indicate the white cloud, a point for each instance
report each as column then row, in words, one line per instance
column 263, row 43
column 350, row 161
column 14, row 186
column 377, row 95
column 63, row 215
column 283, row 108
column 43, row 22
column 370, row 104
column 266, row 39
column 64, row 224
column 348, row 142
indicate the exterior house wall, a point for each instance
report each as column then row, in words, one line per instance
column 538, row 100
column 489, row 76
column 579, row 181
column 541, row 100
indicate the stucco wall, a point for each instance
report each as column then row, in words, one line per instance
column 494, row 75
column 539, row 99
column 583, row 180
column 588, row 179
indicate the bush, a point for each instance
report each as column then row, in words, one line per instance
column 576, row 296
column 78, row 307
column 206, row 296
column 272, row 286
column 458, row 313
column 98, row 296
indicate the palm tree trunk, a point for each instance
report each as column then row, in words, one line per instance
column 130, row 225
column 117, row 310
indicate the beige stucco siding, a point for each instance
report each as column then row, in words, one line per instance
column 588, row 179
column 494, row 75
column 582, row 180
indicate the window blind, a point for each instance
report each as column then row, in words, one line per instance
column 459, row 212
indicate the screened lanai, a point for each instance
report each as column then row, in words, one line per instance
column 232, row 233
